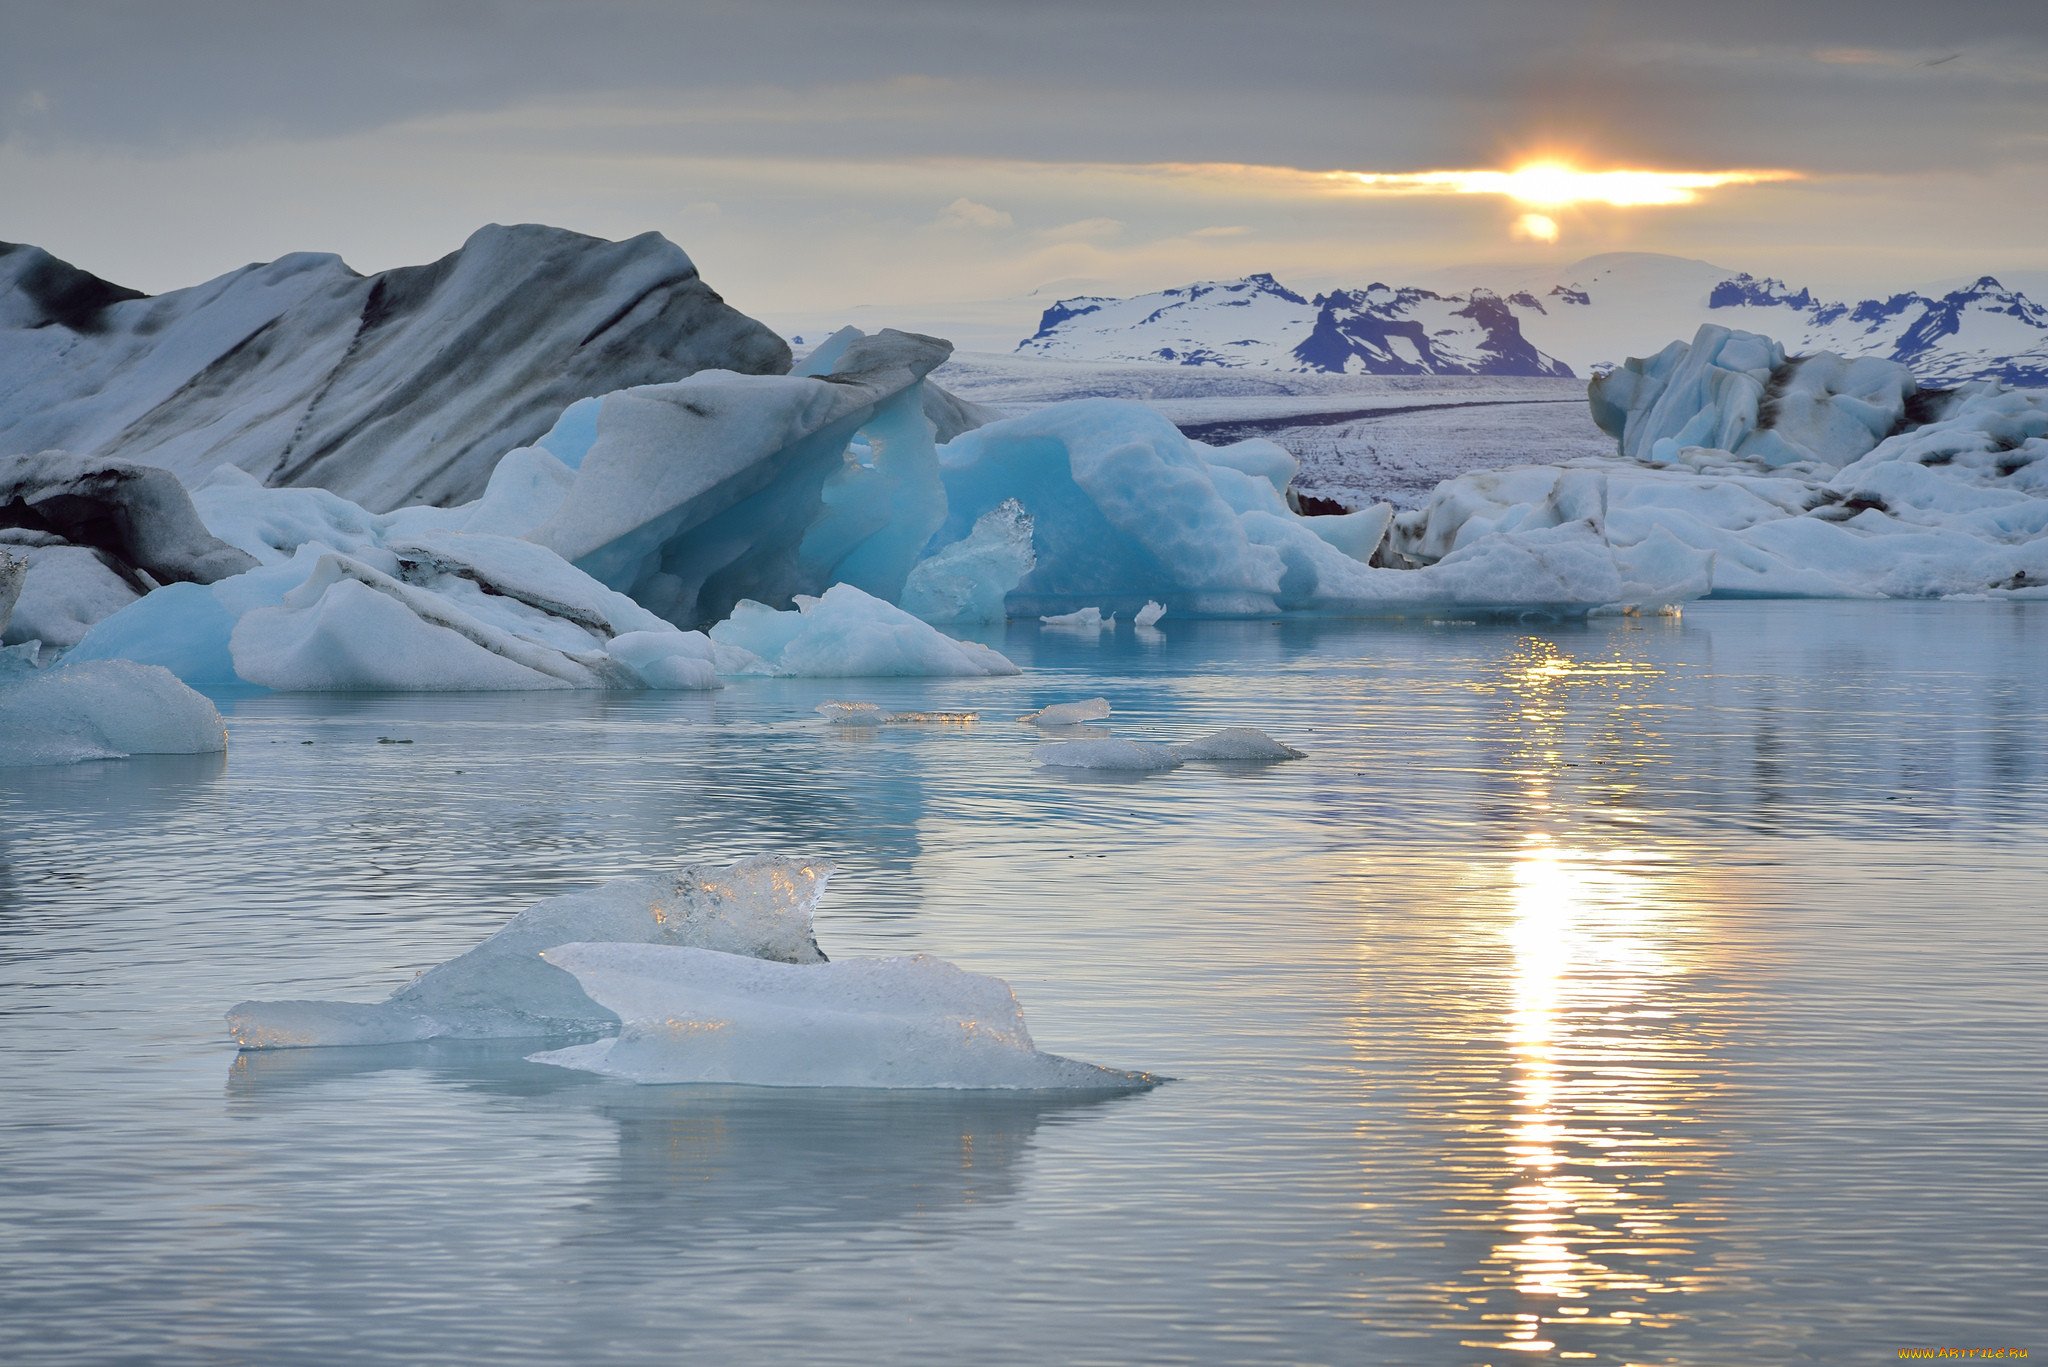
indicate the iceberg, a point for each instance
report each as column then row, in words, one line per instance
column 1123, row 506
column 1112, row 755
column 402, row 387
column 1806, row 476
column 108, row 709
column 693, row 1015
column 96, row 534
column 1084, row 619
column 846, row 633
column 1149, row 615
column 339, row 598
column 759, row 907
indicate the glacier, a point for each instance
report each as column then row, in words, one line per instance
column 694, row 1015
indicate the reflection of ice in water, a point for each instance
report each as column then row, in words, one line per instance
column 698, row 1169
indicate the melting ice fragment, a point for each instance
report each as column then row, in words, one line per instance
column 846, row 633
column 1068, row 713
column 759, row 907
column 1245, row 744
column 99, row 709
column 869, row 714
column 694, row 1015
column 1150, row 614
column 1086, row 619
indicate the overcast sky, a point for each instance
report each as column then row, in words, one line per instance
column 818, row 154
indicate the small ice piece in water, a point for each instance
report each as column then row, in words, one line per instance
column 846, row 633
column 759, row 907
column 868, row 714
column 851, row 713
column 99, row 709
column 1241, row 743
column 1088, row 619
column 692, row 1015
column 1126, row 756
column 1068, row 713
column 1150, row 614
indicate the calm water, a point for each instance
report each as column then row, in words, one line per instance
column 1634, row 992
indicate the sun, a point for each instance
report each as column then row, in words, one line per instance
column 1546, row 185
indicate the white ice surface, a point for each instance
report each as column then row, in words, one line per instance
column 692, row 1015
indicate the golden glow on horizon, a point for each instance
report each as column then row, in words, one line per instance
column 1536, row 228
column 1557, row 184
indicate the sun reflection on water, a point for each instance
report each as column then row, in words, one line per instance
column 1595, row 1213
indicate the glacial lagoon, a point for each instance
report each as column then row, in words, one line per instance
column 1640, row 990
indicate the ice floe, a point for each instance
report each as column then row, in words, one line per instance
column 1082, row 619
column 1149, row 615
column 692, row 1015
column 759, row 907
column 710, row 975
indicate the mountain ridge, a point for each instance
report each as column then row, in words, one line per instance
column 1594, row 314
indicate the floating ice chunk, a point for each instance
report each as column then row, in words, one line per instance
column 847, row 634
column 971, row 579
column 691, row 1015
column 1128, row 756
column 1243, row 743
column 1068, row 713
column 851, row 713
column 99, row 709
column 1149, row 615
column 760, row 907
column 868, row 714
column 1087, row 619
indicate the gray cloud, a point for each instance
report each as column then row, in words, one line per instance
column 1337, row 84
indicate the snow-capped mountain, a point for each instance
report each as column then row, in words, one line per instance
column 1258, row 322
column 398, row 388
column 1595, row 313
